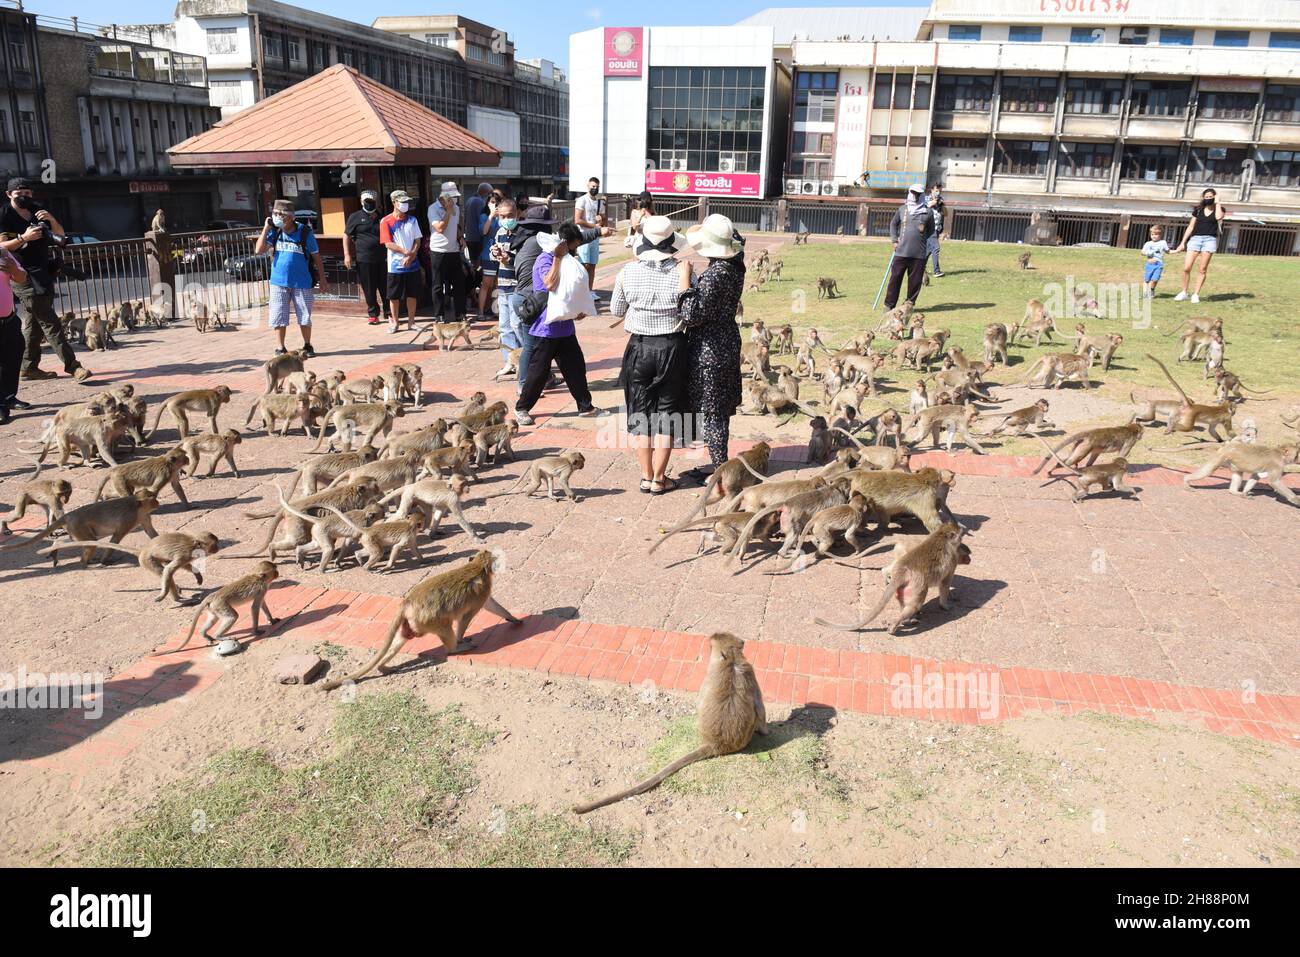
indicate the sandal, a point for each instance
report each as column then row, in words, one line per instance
column 665, row 484
column 646, row 486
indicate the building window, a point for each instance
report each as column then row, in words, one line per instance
column 1086, row 95
column 699, row 116
column 295, row 51
column 903, row 96
column 1277, row 168
column 963, row 31
column 27, row 121
column 1215, row 164
column 1231, row 38
column 18, row 54
column 1021, row 157
column 226, row 92
column 1173, row 37
column 1029, row 94
column 814, row 97
column 1228, row 106
column 1134, row 36
column 1025, row 35
column 272, row 46
column 5, row 136
column 222, row 40
column 1284, row 41
column 1160, row 97
column 1087, row 35
column 1282, row 103
column 960, row 92
column 1150, row 164
column 1085, row 160
column 438, row 39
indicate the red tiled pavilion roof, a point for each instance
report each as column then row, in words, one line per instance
column 335, row 117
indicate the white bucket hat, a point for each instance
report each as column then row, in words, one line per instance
column 449, row 189
column 659, row 241
column 715, row 238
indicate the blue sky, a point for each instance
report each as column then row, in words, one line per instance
column 537, row 29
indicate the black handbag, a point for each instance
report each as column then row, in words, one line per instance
column 531, row 305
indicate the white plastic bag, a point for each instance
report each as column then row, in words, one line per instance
column 572, row 296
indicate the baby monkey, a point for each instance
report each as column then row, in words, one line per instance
column 221, row 606
column 555, row 470
column 1102, row 474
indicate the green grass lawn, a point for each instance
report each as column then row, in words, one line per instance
column 1258, row 299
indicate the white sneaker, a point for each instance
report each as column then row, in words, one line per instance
column 1180, row 297
column 506, row 369
column 1195, row 298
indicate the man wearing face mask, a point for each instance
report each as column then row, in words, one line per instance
column 445, row 255
column 37, row 232
column 361, row 246
column 295, row 269
column 399, row 233
column 589, row 213
column 911, row 229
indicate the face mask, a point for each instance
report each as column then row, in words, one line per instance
column 403, row 207
column 368, row 205
column 277, row 220
column 594, row 190
column 509, row 224
column 1209, row 203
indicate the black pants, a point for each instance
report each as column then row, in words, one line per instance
column 448, row 283
column 573, row 366
column 654, row 384
column 11, row 356
column 373, row 277
column 914, row 267
column 40, row 321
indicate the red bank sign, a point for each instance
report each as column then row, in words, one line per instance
column 703, row 184
column 623, row 51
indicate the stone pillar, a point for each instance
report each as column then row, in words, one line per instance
column 161, row 266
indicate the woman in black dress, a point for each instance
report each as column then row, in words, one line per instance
column 708, row 312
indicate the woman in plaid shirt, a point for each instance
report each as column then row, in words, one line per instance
column 654, row 363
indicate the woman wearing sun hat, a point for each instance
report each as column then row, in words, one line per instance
column 654, row 362
column 708, row 312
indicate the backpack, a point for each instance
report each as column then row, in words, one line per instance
column 274, row 240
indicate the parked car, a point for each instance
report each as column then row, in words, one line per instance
column 251, row 268
column 228, row 224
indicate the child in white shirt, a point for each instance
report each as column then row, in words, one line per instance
column 1154, row 252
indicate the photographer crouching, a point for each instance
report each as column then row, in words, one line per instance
column 38, row 235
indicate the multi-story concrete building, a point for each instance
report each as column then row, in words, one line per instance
column 24, row 126
column 458, row 67
column 1078, row 106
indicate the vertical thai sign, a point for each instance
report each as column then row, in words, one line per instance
column 852, row 111
column 624, row 51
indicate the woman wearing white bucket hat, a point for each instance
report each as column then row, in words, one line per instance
column 708, row 312
column 654, row 362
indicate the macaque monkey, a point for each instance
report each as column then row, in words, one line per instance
column 474, row 404
column 154, row 474
column 346, row 498
column 360, row 390
column 755, row 355
column 1190, row 415
column 774, row 271
column 1214, row 354
column 995, row 343
column 279, row 368
column 724, row 531
column 918, row 399
column 1103, row 475
column 393, row 537
column 434, row 498
column 1029, row 419
column 413, row 387
column 759, row 335
column 950, row 418
column 554, row 470
column 366, row 420
column 74, row 327
column 866, row 457
column 388, row 474
column 1087, row 445
column 493, row 414
column 159, row 222
column 813, row 340
column 827, row 288
column 199, row 315
column 113, row 518
column 495, row 440
column 1037, row 323
column 443, row 604
column 220, row 445
column 1057, row 368
column 97, row 334
column 820, row 441
column 1157, row 411
column 805, row 363
column 1228, row 385
column 930, row 564
column 845, row 521
column 795, row 511
column 846, row 425
column 887, row 424
column 765, row 399
column 802, row 237
column 447, row 333
column 296, row 382
column 162, row 557
column 1203, row 324
column 394, row 379
column 1085, row 305
column 733, row 476
column 1023, row 260
column 88, row 434
column 513, row 358
column 1194, row 346
column 916, row 327
column 221, row 606
column 205, row 401
column 276, row 407
column 1252, row 463
column 833, row 380
column 863, row 367
column 730, row 712
column 785, row 341
column 454, row 460
column 922, row 494
column 332, row 531
column 422, row 441
column 325, row 469
column 50, row 494
column 1104, row 346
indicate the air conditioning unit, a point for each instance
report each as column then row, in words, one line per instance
column 727, row 164
column 828, row 188
column 809, row 187
column 793, row 186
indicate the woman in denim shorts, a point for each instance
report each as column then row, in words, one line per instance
column 1200, row 241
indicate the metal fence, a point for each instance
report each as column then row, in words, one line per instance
column 989, row 225
column 823, row 218
column 101, row 275
column 1139, row 230
column 1095, row 228
column 220, row 265
column 1262, row 240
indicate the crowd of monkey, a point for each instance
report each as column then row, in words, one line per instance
column 368, row 492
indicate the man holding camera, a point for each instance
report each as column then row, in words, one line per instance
column 37, row 231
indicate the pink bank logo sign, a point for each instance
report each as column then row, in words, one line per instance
column 623, row 46
column 703, row 184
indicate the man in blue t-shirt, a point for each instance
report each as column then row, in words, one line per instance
column 290, row 244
